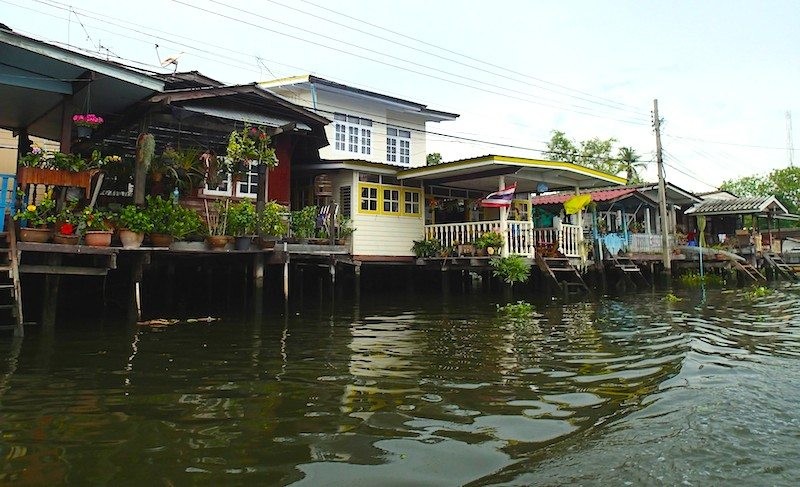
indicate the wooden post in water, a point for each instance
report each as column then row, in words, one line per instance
column 285, row 272
column 258, row 271
column 51, row 285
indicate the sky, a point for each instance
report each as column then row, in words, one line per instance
column 725, row 73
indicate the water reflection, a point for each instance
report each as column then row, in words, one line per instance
column 434, row 396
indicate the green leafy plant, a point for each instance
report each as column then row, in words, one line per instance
column 271, row 220
column 489, row 239
column 520, row 309
column 251, row 144
column 694, row 279
column 135, row 219
column 217, row 218
column 511, row 269
column 68, row 218
column 426, row 248
column 186, row 222
column 344, row 228
column 671, row 298
column 93, row 219
column 242, row 218
column 304, row 222
column 39, row 215
column 757, row 292
column 182, row 168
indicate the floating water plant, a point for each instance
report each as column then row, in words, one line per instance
column 694, row 279
column 520, row 309
column 511, row 269
column 757, row 292
column 671, row 298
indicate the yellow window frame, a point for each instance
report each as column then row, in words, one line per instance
column 402, row 190
column 378, row 198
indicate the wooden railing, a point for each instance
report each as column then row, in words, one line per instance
column 522, row 238
column 645, row 243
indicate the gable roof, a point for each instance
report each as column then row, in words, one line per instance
column 323, row 84
column 739, row 206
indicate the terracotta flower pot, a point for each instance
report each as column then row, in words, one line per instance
column 64, row 239
column 97, row 238
column 217, row 242
column 36, row 235
column 161, row 239
column 130, row 239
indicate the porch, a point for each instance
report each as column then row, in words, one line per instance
column 522, row 237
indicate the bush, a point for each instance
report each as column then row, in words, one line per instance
column 511, row 269
column 426, row 248
column 304, row 222
column 489, row 239
column 271, row 222
column 242, row 218
column 135, row 219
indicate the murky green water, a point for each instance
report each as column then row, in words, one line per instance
column 630, row 390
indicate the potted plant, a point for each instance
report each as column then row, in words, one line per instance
column 217, row 224
column 67, row 222
column 186, row 222
column 272, row 224
column 161, row 213
column 133, row 222
column 250, row 144
column 96, row 227
column 344, row 230
column 426, row 248
column 242, row 223
column 85, row 123
column 304, row 223
column 34, row 220
column 489, row 242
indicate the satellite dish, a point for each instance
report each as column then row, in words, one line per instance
column 171, row 60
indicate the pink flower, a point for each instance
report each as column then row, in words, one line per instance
column 87, row 120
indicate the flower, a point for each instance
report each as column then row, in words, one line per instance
column 87, row 120
column 38, row 215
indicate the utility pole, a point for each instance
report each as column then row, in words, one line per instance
column 662, row 194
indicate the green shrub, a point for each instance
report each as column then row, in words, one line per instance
column 489, row 239
column 511, row 269
column 520, row 309
column 304, row 222
column 135, row 219
column 271, row 222
column 426, row 248
column 694, row 279
column 242, row 218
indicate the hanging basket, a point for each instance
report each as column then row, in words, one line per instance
column 84, row 132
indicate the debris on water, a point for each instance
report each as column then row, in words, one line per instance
column 671, row 298
column 160, row 322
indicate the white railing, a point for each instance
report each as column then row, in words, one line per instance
column 522, row 238
column 646, row 243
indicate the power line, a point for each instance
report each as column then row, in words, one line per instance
column 383, row 28
column 428, row 75
column 726, row 143
column 614, row 106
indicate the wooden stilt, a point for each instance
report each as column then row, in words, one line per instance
column 51, row 284
column 258, row 271
column 357, row 283
column 285, row 272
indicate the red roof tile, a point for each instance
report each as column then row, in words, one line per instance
column 602, row 195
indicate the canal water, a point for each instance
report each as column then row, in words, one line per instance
column 621, row 390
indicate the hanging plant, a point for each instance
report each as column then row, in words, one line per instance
column 250, row 144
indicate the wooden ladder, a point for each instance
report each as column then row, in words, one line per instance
column 630, row 270
column 781, row 267
column 748, row 271
column 562, row 273
column 9, row 279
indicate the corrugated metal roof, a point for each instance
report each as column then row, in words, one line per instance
column 602, row 195
column 737, row 206
column 254, row 118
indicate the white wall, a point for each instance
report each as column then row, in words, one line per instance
column 380, row 113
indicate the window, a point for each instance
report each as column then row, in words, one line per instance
column 398, row 146
column 411, row 202
column 353, row 134
column 222, row 189
column 391, row 201
column 344, row 200
column 369, row 199
column 248, row 182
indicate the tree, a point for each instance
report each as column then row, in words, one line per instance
column 433, row 159
column 594, row 153
column 784, row 184
column 629, row 162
